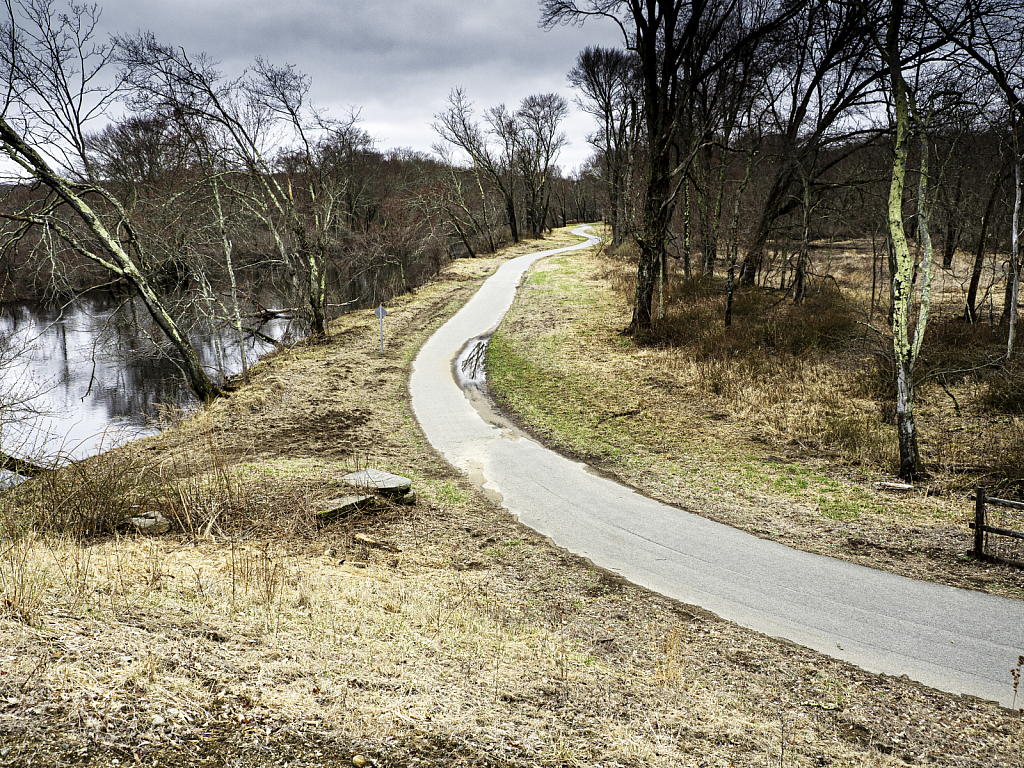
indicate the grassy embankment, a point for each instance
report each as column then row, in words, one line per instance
column 441, row 634
column 780, row 425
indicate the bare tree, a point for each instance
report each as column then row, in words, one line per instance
column 464, row 203
column 457, row 127
column 54, row 70
column 540, row 141
column 607, row 79
column 821, row 95
column 310, row 202
column 679, row 44
column 990, row 34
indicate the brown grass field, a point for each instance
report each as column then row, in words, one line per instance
column 445, row 634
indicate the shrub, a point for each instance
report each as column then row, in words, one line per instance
column 84, row 498
column 1004, row 390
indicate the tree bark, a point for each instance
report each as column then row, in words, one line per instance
column 910, row 467
column 979, row 255
column 1015, row 265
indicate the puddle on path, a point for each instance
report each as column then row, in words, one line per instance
column 470, row 375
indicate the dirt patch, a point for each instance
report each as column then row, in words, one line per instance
column 467, row 641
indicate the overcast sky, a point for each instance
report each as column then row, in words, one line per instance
column 396, row 60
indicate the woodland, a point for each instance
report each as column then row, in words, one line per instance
column 732, row 139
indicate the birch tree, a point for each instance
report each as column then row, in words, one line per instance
column 908, row 329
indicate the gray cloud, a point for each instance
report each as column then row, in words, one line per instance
column 396, row 61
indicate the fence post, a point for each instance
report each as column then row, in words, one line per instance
column 979, row 523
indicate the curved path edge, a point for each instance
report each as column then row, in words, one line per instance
column 958, row 641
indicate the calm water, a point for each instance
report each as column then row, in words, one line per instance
column 79, row 379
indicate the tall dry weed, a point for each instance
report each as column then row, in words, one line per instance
column 23, row 579
column 83, row 498
column 796, row 370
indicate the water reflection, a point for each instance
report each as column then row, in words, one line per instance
column 80, row 378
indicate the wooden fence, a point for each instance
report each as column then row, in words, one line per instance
column 984, row 549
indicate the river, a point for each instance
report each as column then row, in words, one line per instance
column 77, row 379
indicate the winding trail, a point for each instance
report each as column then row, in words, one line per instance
column 947, row 638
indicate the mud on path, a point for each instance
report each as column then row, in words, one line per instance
column 446, row 635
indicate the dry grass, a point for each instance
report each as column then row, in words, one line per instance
column 445, row 634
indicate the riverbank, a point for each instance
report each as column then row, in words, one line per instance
column 446, row 635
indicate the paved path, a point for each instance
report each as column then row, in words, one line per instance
column 947, row 638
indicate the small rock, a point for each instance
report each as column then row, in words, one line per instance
column 359, row 761
column 157, row 720
column 152, row 523
column 408, row 499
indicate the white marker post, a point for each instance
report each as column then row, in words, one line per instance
column 381, row 313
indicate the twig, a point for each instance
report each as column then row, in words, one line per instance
column 634, row 412
column 956, row 405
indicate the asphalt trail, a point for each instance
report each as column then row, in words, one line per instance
column 951, row 639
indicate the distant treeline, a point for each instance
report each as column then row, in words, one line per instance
column 139, row 166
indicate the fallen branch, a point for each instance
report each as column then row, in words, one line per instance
column 21, row 466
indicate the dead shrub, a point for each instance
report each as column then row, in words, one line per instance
column 201, row 486
column 626, row 252
column 763, row 322
column 83, row 498
column 1004, row 390
column 956, row 347
column 825, row 322
column 1007, row 455
column 862, row 438
column 206, row 488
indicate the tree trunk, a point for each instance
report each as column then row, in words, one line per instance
column 510, row 212
column 979, row 255
column 1014, row 246
column 902, row 279
column 714, row 222
column 952, row 228
column 657, row 211
column 734, row 245
column 800, row 278
column 769, row 214
column 906, row 428
column 687, row 223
